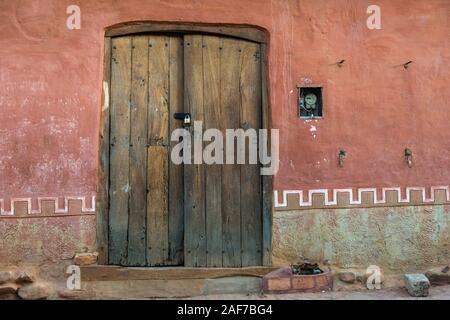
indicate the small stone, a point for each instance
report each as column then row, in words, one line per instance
column 5, row 276
column 85, row 259
column 417, row 284
column 8, row 289
column 34, row 291
column 446, row 269
column 347, row 277
column 438, row 276
column 23, row 277
column 75, row 294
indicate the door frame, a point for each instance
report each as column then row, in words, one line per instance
column 250, row 33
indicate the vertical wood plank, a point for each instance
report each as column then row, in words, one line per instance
column 195, row 224
column 267, row 189
column 138, row 153
column 158, row 99
column 102, row 198
column 157, row 221
column 176, row 192
column 119, row 149
column 213, row 172
column 251, row 215
column 230, row 104
column 158, row 141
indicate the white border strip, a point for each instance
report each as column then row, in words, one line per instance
column 358, row 200
column 58, row 210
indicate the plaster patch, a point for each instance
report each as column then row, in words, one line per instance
column 105, row 96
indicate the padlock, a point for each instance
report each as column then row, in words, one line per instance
column 183, row 116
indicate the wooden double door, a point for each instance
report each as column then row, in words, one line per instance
column 195, row 215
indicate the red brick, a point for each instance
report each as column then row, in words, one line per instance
column 303, row 282
column 278, row 284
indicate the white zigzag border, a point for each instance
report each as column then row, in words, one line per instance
column 358, row 200
column 65, row 210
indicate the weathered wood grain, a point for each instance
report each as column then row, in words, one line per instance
column 244, row 32
column 158, row 157
column 194, row 177
column 138, row 153
column 119, row 149
column 176, row 192
column 114, row 273
column 267, row 181
column 158, row 86
column 230, row 105
column 157, row 206
column 251, row 214
column 163, row 214
column 213, row 172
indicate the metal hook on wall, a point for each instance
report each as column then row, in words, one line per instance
column 406, row 65
column 342, row 155
column 408, row 157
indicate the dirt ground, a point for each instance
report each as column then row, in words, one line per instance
column 436, row 293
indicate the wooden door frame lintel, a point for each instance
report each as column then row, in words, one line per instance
column 244, row 32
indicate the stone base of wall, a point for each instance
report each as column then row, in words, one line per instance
column 403, row 238
column 47, row 244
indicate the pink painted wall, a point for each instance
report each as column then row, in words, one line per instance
column 50, row 88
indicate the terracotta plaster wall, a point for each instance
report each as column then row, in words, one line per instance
column 51, row 88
